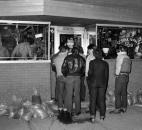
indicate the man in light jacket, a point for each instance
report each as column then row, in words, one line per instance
column 122, row 71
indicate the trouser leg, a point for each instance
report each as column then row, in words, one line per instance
column 124, row 92
column 86, row 88
column 93, row 101
column 82, row 89
column 101, row 101
column 118, row 93
column 53, row 84
column 68, row 93
column 61, row 87
column 77, row 94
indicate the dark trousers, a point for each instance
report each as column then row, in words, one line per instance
column 61, row 91
column 82, row 88
column 121, row 83
column 53, row 85
column 72, row 87
column 97, row 98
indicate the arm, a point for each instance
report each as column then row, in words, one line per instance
column 53, row 64
column 90, row 72
column 64, row 68
column 14, row 52
column 107, row 74
column 6, row 52
column 86, row 67
column 83, row 67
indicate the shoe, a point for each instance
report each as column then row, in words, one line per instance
column 82, row 99
column 52, row 101
column 102, row 118
column 87, row 111
column 60, row 115
column 92, row 119
column 123, row 110
column 67, row 118
column 77, row 114
column 116, row 111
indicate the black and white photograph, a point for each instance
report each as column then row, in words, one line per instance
column 70, row 65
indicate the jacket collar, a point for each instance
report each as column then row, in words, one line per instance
column 121, row 53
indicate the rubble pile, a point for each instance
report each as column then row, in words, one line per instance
column 26, row 109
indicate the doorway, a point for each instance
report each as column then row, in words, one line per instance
column 76, row 38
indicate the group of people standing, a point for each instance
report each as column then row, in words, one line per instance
column 70, row 66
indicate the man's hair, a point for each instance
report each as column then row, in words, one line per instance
column 121, row 48
column 98, row 53
column 75, row 50
column 91, row 46
column 80, row 49
column 62, row 47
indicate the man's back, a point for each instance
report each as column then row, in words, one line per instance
column 98, row 72
column 73, row 65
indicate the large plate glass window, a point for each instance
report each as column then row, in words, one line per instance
column 24, row 40
column 109, row 37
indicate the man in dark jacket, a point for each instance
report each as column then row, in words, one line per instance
column 98, row 80
column 73, row 68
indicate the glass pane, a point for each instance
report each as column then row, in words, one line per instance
column 111, row 37
column 21, row 41
column 75, row 37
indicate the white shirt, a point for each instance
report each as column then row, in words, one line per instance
column 119, row 61
column 88, row 59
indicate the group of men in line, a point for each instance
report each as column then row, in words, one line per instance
column 70, row 66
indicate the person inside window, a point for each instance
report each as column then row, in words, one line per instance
column 22, row 51
column 4, row 54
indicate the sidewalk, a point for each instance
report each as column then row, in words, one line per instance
column 132, row 120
